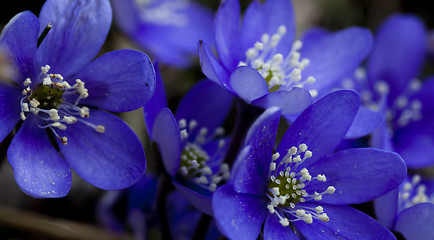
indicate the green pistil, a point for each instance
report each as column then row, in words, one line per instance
column 49, row 97
column 286, row 188
column 268, row 79
column 193, row 158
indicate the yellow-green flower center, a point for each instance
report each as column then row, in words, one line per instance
column 49, row 97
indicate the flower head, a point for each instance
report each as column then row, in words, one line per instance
column 59, row 94
column 301, row 189
column 390, row 86
column 408, row 209
column 262, row 63
column 192, row 143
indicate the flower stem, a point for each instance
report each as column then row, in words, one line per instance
column 246, row 115
column 202, row 227
column 164, row 187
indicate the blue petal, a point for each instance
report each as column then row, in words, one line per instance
column 200, row 201
column 166, row 134
column 20, row 37
column 314, row 34
column 359, row 175
column 365, row 122
column 381, row 138
column 78, row 33
column 9, row 108
column 170, row 42
column 386, row 208
column 425, row 97
column 212, row 68
column 273, row 229
column 156, row 103
column 238, row 216
column 416, row 222
column 323, row 125
column 266, row 17
column 247, row 175
column 227, row 33
column 111, row 160
column 207, row 103
column 345, row 223
column 104, row 212
column 126, row 15
column 398, row 53
column 39, row 169
column 250, row 173
column 291, row 102
column 332, row 56
column 415, row 143
column 118, row 81
column 248, row 84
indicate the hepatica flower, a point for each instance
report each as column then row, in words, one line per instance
column 302, row 189
column 59, row 95
column 409, row 208
column 192, row 143
column 262, row 63
column 390, row 86
column 168, row 29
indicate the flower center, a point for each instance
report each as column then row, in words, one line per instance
column 280, row 73
column 48, row 96
column 413, row 192
column 286, row 188
column 404, row 109
column 48, row 103
column 196, row 163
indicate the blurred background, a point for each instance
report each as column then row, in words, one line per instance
column 74, row 216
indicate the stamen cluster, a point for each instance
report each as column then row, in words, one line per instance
column 278, row 71
column 47, row 102
column 287, row 185
column 404, row 109
column 414, row 192
column 196, row 164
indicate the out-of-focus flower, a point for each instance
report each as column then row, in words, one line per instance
column 302, row 189
column 167, row 29
column 389, row 85
column 192, row 143
column 58, row 96
column 261, row 62
column 409, row 208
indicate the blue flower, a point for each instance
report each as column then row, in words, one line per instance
column 58, row 96
column 409, row 208
column 168, row 29
column 262, row 63
column 302, row 189
column 390, row 86
column 191, row 143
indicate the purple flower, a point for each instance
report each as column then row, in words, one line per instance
column 168, row 29
column 409, row 208
column 58, row 96
column 261, row 62
column 389, row 85
column 302, row 189
column 191, row 143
